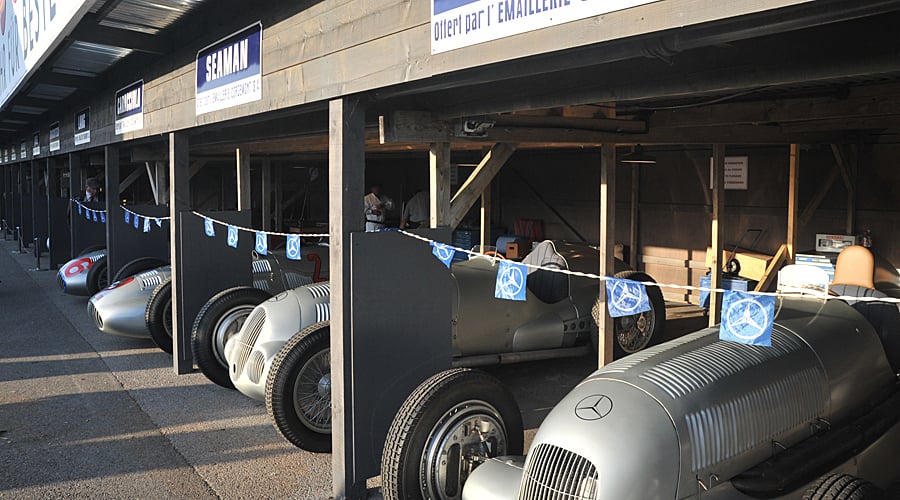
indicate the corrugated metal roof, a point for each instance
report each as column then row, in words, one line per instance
column 148, row 16
column 88, row 59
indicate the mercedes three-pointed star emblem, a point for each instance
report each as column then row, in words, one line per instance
column 593, row 407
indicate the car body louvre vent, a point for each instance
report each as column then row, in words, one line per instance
column 252, row 328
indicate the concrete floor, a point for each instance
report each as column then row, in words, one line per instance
column 85, row 414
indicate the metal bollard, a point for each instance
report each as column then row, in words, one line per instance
column 4, row 228
column 37, row 254
column 19, row 238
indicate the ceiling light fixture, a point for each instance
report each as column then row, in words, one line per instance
column 637, row 155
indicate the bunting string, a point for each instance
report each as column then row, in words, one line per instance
column 257, row 231
column 645, row 283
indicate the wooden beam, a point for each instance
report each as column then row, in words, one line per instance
column 133, row 176
column 266, row 194
column 793, row 196
column 849, row 183
column 439, row 181
column 195, row 167
column 771, row 272
column 243, row 180
column 633, row 220
column 606, row 331
column 346, row 176
column 484, row 239
column 818, row 197
column 471, row 190
column 162, row 182
column 717, row 232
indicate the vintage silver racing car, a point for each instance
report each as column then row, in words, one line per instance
column 816, row 416
column 85, row 274
column 140, row 306
column 282, row 352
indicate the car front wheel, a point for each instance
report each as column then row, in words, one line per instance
column 158, row 316
column 298, row 389
column 638, row 331
column 450, row 424
column 220, row 319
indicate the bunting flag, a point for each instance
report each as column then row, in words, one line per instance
column 293, row 246
column 443, row 252
column 262, row 243
column 747, row 318
column 137, row 221
column 510, row 281
column 79, row 209
column 146, row 225
column 103, row 217
column 626, row 297
column 209, row 227
column 127, row 217
column 87, row 213
column 94, row 213
column 158, row 222
column 232, row 237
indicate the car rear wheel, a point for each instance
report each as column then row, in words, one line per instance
column 298, row 389
column 639, row 331
column 842, row 487
column 138, row 266
column 158, row 316
column 449, row 425
column 97, row 277
column 220, row 319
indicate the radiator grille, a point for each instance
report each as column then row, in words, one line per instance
column 61, row 281
column 755, row 418
column 249, row 335
column 705, row 365
column 92, row 312
column 554, row 473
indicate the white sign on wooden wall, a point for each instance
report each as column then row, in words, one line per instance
column 736, row 172
column 130, row 108
column 460, row 23
column 54, row 137
column 83, row 127
column 229, row 72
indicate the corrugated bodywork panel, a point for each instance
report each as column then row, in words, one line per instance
column 726, row 430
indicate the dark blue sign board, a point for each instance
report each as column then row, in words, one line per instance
column 130, row 108
column 83, row 126
column 229, row 72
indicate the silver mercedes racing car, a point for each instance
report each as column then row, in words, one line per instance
column 85, row 274
column 282, row 352
column 815, row 416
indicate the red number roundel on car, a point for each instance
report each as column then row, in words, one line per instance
column 77, row 267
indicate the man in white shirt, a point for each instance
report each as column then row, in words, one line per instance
column 374, row 209
column 416, row 211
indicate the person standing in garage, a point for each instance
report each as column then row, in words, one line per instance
column 416, row 211
column 374, row 209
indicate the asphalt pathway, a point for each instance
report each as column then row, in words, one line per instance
column 88, row 415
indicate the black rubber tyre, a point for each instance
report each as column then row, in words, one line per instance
column 158, row 316
column 437, row 424
column 637, row 332
column 298, row 389
column 97, row 277
column 89, row 249
column 842, row 487
column 221, row 318
column 138, row 266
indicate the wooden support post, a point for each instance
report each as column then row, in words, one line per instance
column 607, row 249
column 180, row 201
column 850, row 183
column 472, row 188
column 162, row 182
column 772, row 269
column 793, row 188
column 74, row 189
column 279, row 198
column 439, row 174
column 111, row 159
column 346, row 178
column 485, row 238
column 265, row 199
column 243, row 180
column 635, row 228
column 718, row 219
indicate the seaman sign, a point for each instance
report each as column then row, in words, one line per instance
column 83, row 126
column 54, row 137
column 130, row 108
column 460, row 23
column 229, row 72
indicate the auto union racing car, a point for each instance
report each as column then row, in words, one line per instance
column 282, row 353
column 140, row 306
column 814, row 416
